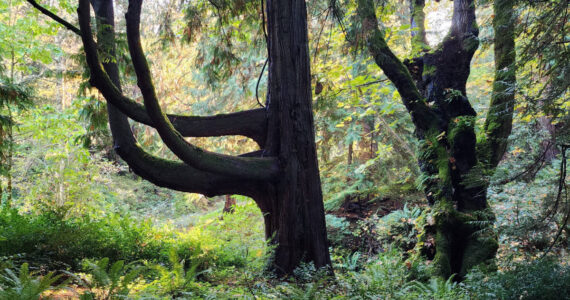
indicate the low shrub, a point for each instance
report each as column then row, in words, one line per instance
column 541, row 279
column 400, row 228
column 56, row 240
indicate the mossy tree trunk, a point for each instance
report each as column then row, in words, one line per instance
column 433, row 88
column 498, row 124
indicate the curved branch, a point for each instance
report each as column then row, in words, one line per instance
column 464, row 24
column 167, row 173
column 245, row 167
column 251, row 123
column 252, row 168
column 422, row 116
column 417, row 22
column 419, row 43
column 499, row 121
column 452, row 59
column 162, row 172
column 447, row 68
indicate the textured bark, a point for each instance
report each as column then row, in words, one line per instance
column 258, row 168
column 293, row 206
column 422, row 116
column 251, row 123
column 291, row 202
column 162, row 172
column 417, row 21
column 242, row 167
column 349, row 155
column 229, row 205
column 367, row 147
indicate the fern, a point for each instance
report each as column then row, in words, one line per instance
column 107, row 282
column 436, row 288
column 25, row 286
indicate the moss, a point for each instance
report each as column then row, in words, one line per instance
column 471, row 232
column 378, row 44
column 419, row 42
column 471, row 43
column 429, row 70
column 459, row 126
column 434, row 160
column 444, row 215
column 441, row 265
column 480, row 249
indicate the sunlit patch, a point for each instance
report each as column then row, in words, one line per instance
column 438, row 20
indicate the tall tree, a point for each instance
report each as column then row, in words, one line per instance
column 18, row 47
column 453, row 164
column 282, row 177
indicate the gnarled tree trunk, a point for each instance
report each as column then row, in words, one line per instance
column 283, row 177
column 432, row 86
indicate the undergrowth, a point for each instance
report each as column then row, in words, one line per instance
column 224, row 257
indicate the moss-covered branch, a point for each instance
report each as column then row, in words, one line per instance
column 54, row 17
column 499, row 120
column 162, row 172
column 250, row 123
column 423, row 117
column 436, row 98
column 243, row 167
column 419, row 41
column 238, row 166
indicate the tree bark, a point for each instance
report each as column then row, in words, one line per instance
column 293, row 206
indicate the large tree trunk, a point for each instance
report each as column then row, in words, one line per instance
column 458, row 189
column 293, row 205
column 283, row 178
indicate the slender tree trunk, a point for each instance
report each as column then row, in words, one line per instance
column 325, row 148
column 10, row 136
column 349, row 155
column 229, row 205
column 2, row 162
column 366, row 145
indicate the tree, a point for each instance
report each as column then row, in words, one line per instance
column 282, row 177
column 18, row 47
column 454, row 162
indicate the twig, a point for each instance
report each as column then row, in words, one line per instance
column 361, row 85
column 538, row 162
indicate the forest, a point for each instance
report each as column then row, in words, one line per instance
column 251, row 149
